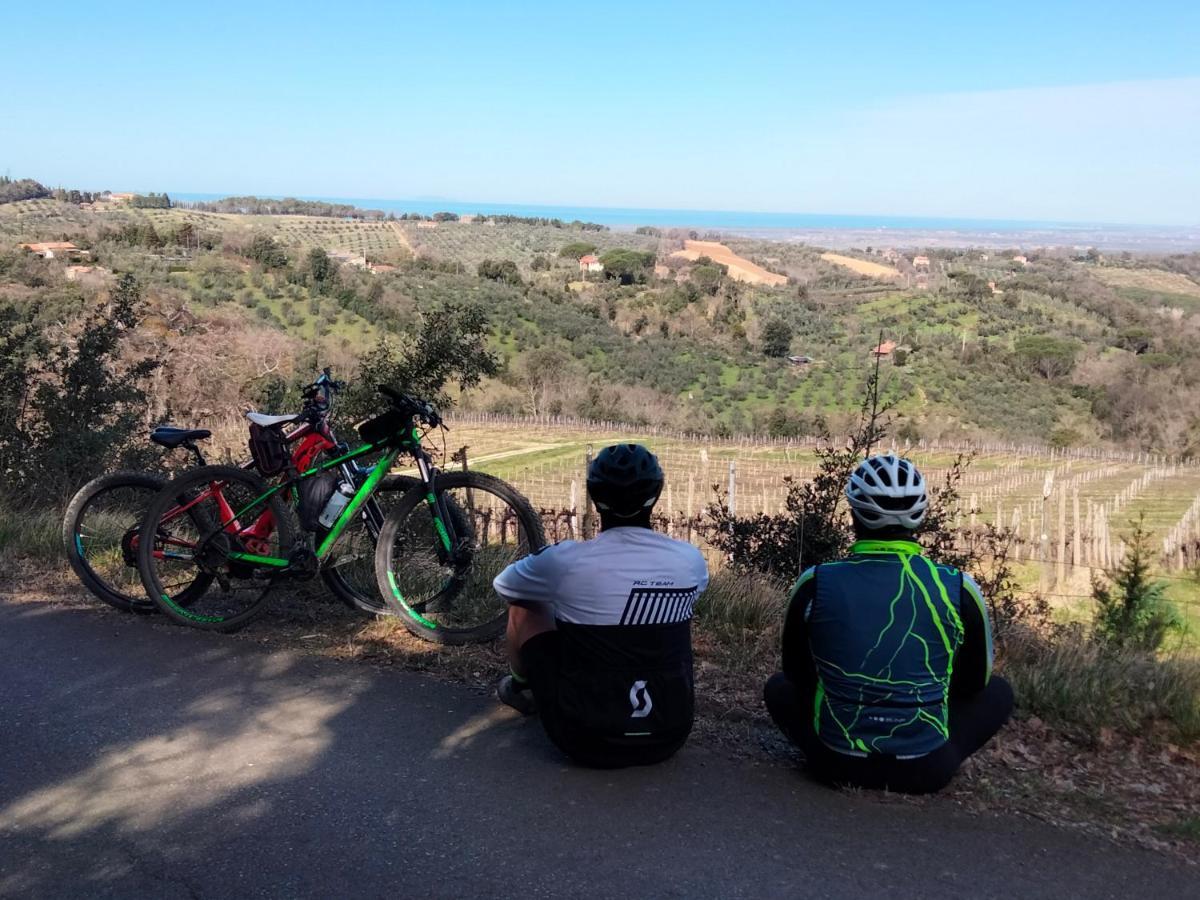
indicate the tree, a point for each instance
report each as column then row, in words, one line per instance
column 502, row 270
column 1045, row 355
column 540, row 263
column 777, row 338
column 627, row 266
column 321, row 269
column 449, row 348
column 538, row 373
column 1133, row 611
column 707, row 278
column 266, row 252
column 79, row 409
column 576, row 249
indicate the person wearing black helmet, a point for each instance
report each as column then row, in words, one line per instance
column 599, row 631
column 887, row 656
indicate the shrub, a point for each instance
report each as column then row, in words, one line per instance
column 76, row 409
column 1133, row 611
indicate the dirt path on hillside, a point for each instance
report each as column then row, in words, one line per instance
column 402, row 237
column 740, row 268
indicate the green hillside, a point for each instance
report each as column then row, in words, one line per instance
column 1065, row 351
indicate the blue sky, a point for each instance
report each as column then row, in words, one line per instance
column 1048, row 110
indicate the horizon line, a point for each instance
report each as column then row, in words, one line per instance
column 671, row 209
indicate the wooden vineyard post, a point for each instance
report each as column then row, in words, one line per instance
column 589, row 513
column 1060, row 574
column 573, row 516
column 1044, row 536
column 732, row 487
column 1075, row 536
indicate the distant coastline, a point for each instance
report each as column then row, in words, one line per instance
column 830, row 230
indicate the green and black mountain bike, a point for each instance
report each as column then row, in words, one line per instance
column 438, row 549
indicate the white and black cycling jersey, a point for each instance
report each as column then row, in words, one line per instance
column 623, row 603
column 624, row 576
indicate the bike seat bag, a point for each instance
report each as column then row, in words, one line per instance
column 268, row 449
column 391, row 427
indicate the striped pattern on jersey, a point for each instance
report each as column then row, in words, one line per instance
column 659, row 606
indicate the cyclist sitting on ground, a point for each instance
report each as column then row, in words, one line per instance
column 599, row 631
column 887, row 656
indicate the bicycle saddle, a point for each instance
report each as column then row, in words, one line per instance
column 267, row 421
column 170, row 436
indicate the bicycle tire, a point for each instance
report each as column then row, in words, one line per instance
column 190, row 484
column 387, row 563
column 348, row 590
column 107, row 589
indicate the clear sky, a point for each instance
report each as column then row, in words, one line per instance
column 1083, row 111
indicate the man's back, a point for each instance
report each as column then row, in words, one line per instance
column 622, row 606
column 884, row 629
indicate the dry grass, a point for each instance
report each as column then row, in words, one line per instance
column 862, row 266
column 1147, row 280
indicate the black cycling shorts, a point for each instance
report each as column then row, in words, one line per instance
column 541, row 659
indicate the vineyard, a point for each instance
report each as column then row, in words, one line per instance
column 1069, row 513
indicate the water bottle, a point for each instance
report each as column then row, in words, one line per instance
column 335, row 505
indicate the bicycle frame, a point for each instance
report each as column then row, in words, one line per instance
column 364, row 493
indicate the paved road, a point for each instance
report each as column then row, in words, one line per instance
column 141, row 761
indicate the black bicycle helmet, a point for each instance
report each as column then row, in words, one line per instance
column 624, row 480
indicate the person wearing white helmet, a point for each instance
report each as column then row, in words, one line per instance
column 887, row 655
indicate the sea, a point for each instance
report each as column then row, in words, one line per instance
column 822, row 229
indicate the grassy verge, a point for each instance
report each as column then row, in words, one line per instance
column 31, row 534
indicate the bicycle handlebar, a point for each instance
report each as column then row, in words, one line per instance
column 422, row 409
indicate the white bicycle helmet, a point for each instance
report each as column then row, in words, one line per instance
column 887, row 490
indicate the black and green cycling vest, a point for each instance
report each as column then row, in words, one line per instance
column 884, row 626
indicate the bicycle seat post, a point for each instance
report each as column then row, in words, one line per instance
column 195, row 451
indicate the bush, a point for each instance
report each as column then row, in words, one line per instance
column 76, row 409
column 1069, row 679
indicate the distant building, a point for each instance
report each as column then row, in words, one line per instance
column 124, row 197
column 884, row 349
column 590, row 263
column 380, row 268
column 891, row 255
column 921, row 262
column 1020, row 260
column 55, row 250
column 800, row 360
column 995, row 290
column 424, row 224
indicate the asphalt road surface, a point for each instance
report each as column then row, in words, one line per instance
column 161, row 762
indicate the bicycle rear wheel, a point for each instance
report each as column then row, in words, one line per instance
column 445, row 595
column 217, row 521
column 100, row 537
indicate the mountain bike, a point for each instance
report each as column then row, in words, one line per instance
column 435, row 557
column 102, row 521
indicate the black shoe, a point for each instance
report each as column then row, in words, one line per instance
column 519, row 697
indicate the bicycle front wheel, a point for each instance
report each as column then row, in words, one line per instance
column 435, row 562
column 218, row 522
